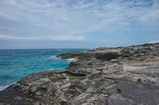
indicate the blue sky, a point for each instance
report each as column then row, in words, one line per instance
column 77, row 23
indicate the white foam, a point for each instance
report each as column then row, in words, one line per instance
column 53, row 57
column 3, row 87
column 72, row 59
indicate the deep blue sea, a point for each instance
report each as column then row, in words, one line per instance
column 15, row 64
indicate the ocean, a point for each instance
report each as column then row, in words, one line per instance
column 15, row 64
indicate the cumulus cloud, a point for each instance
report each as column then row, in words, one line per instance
column 64, row 19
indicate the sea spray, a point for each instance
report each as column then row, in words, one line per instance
column 72, row 59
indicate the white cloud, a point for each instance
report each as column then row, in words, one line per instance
column 154, row 41
column 64, row 37
column 66, row 18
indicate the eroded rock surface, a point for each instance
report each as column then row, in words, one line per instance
column 104, row 76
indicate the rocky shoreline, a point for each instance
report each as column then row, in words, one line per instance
column 103, row 76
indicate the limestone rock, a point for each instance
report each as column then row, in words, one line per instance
column 103, row 76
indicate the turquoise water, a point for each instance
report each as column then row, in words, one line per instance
column 15, row 64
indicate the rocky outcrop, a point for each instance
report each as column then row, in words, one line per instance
column 104, row 76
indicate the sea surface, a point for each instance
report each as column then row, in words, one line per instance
column 15, row 64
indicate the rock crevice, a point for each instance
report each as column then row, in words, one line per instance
column 104, row 76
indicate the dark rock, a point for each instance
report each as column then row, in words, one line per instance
column 107, row 56
column 104, row 76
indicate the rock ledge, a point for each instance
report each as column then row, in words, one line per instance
column 103, row 76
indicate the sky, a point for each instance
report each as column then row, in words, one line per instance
column 30, row 24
